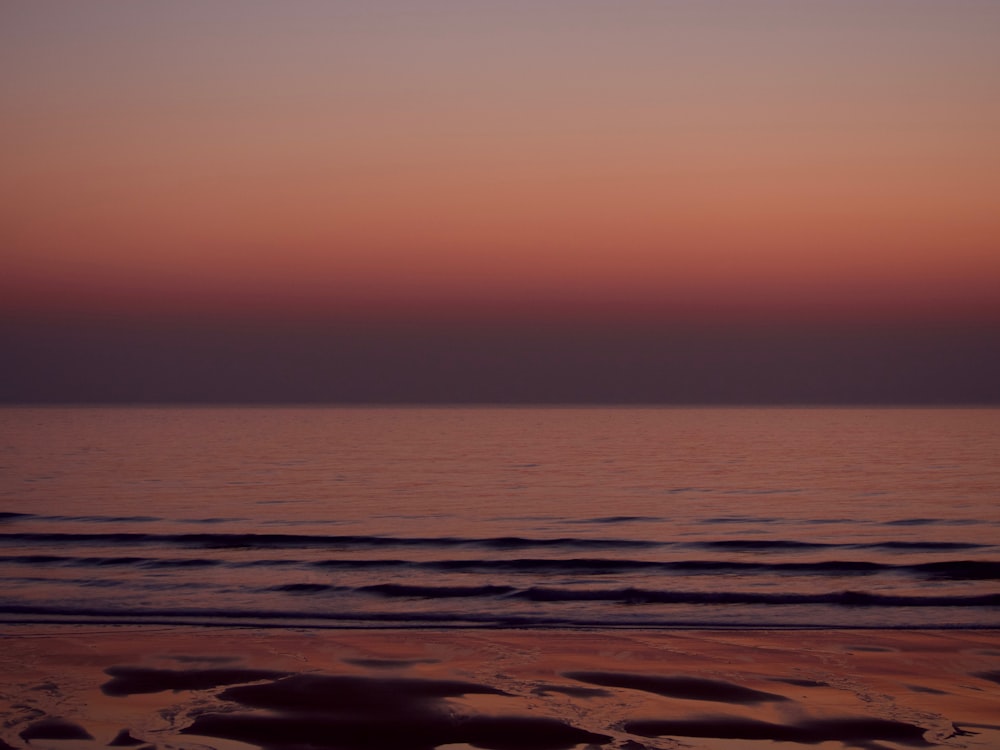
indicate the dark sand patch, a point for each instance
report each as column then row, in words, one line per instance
column 991, row 676
column 690, row 688
column 978, row 726
column 927, row 690
column 352, row 695
column 388, row 663
column 347, row 712
column 415, row 732
column 800, row 683
column 125, row 739
column 134, row 680
column 55, row 729
column 857, row 731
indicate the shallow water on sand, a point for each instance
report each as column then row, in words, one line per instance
column 231, row 689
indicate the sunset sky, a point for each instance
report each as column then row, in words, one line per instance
column 554, row 200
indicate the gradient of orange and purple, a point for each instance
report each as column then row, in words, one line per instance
column 663, row 165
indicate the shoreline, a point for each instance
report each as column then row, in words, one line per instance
column 81, row 686
column 533, row 627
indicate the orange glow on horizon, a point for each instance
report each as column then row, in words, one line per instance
column 655, row 162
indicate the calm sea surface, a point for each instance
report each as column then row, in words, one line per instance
column 521, row 517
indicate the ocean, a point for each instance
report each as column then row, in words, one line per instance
column 481, row 517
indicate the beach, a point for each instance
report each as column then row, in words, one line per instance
column 505, row 579
column 80, row 686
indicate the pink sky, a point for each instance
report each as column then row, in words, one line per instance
column 507, row 201
column 569, row 158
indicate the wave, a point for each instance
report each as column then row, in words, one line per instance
column 232, row 540
column 102, row 519
column 645, row 596
column 791, row 544
column 357, row 541
column 489, row 619
column 756, row 544
column 961, row 569
column 922, row 545
column 103, row 562
column 282, row 618
column 955, row 569
column 6, row 515
column 435, row 592
column 958, row 570
column 841, row 598
column 618, row 519
column 602, row 520
column 81, row 519
column 307, row 588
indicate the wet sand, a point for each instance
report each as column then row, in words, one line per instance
column 83, row 687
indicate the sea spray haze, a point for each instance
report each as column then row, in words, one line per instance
column 501, row 517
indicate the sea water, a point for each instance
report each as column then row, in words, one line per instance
column 501, row 517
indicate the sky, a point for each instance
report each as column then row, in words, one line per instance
column 752, row 201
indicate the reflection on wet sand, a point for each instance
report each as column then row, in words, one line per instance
column 79, row 689
column 854, row 732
